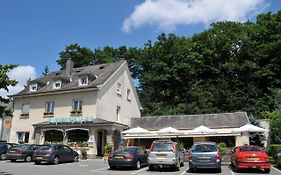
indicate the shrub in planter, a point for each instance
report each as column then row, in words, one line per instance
column 223, row 148
column 83, row 152
column 272, row 150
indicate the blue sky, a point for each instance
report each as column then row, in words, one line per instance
column 33, row 32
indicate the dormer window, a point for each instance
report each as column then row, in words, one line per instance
column 83, row 81
column 119, row 89
column 57, row 84
column 33, row 88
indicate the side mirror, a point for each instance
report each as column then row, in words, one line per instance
column 146, row 151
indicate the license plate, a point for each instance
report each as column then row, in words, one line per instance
column 118, row 157
column 12, row 151
column 161, row 155
column 203, row 160
column 253, row 158
column 254, row 167
column 39, row 158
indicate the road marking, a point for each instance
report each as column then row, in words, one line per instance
column 83, row 165
column 276, row 169
column 185, row 171
column 99, row 169
column 140, row 170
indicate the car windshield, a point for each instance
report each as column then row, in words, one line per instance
column 249, row 148
column 20, row 146
column 162, row 146
column 44, row 147
column 204, row 148
column 126, row 150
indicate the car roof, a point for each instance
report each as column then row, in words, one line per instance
column 200, row 143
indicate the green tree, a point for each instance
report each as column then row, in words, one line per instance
column 81, row 56
column 45, row 71
column 5, row 82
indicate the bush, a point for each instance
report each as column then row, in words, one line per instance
column 107, row 148
column 223, row 148
column 273, row 149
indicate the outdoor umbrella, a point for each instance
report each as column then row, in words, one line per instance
column 250, row 128
column 202, row 130
column 137, row 130
column 169, row 131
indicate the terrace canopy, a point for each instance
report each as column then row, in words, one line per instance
column 250, row 128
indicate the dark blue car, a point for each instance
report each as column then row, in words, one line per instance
column 55, row 154
column 3, row 149
column 131, row 156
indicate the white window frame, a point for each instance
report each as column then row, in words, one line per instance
column 52, row 106
column 118, row 109
column 119, row 91
column 82, row 83
column 129, row 94
column 23, row 108
column 55, row 83
column 21, row 137
column 80, row 105
column 33, row 87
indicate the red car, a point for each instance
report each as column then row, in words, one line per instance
column 244, row 157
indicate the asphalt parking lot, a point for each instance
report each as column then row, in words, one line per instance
column 99, row 167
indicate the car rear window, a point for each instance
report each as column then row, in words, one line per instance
column 125, row 151
column 249, row 148
column 162, row 146
column 20, row 146
column 204, row 148
column 44, row 147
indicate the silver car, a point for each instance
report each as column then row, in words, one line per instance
column 165, row 153
column 278, row 159
column 204, row 155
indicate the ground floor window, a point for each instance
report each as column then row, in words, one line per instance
column 23, row 137
column 53, row 136
column 78, row 136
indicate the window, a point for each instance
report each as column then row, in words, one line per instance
column 119, row 88
column 33, row 87
column 77, row 105
column 25, row 108
column 23, row 137
column 83, row 81
column 129, row 94
column 49, row 107
column 57, row 84
column 118, row 113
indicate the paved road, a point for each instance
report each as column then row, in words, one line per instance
column 99, row 167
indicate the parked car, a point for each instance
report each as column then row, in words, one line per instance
column 278, row 159
column 204, row 155
column 165, row 153
column 22, row 151
column 132, row 156
column 55, row 154
column 245, row 157
column 3, row 149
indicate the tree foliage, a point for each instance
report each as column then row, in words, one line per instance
column 5, row 82
column 230, row 67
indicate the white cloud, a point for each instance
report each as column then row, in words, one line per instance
column 167, row 14
column 21, row 74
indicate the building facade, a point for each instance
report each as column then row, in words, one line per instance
column 88, row 106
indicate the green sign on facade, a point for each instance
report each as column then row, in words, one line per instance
column 70, row 120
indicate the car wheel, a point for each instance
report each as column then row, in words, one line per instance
column 112, row 167
column 267, row 170
column 76, row 159
column 37, row 162
column 191, row 170
column 150, row 167
column 236, row 169
column 3, row 156
column 28, row 159
column 56, row 160
column 219, row 170
column 182, row 164
column 177, row 166
column 138, row 165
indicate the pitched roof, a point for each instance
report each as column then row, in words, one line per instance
column 97, row 74
column 222, row 120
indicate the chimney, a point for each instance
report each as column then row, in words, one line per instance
column 69, row 67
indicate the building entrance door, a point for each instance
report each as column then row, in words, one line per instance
column 99, row 144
